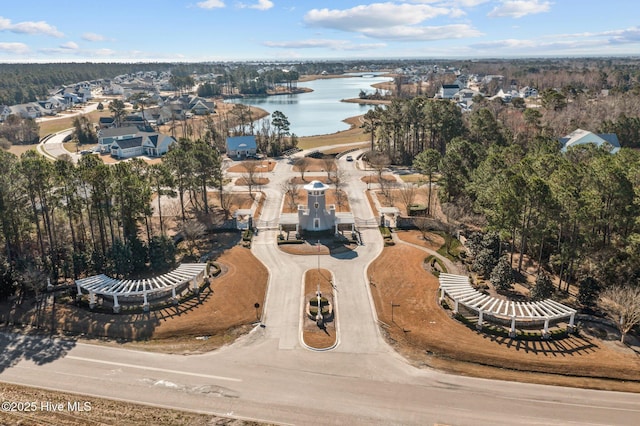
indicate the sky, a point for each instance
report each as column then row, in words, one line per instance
column 292, row 30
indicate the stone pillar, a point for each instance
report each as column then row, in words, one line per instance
column 455, row 306
column 145, row 305
column 512, row 331
column 545, row 332
column 116, row 305
column 174, row 298
column 479, row 324
column 572, row 326
column 79, row 289
column 92, row 300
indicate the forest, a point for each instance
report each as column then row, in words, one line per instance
column 61, row 220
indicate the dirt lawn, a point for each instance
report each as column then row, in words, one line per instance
column 221, row 313
column 427, row 334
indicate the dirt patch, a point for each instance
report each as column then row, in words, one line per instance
column 313, row 165
column 312, row 334
column 257, row 181
column 18, row 150
column 102, row 411
column 429, row 239
column 426, row 334
column 263, row 166
column 299, row 181
column 374, row 178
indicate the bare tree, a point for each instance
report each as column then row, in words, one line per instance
column 622, row 304
column 290, row 191
column 407, row 195
column 341, row 198
column 424, row 226
column 330, row 166
column 379, row 163
column 251, row 170
column 302, row 164
column 339, row 180
column 225, row 204
column 192, row 230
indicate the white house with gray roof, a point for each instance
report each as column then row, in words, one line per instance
column 582, row 137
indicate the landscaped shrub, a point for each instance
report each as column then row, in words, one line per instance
column 314, row 301
column 247, row 235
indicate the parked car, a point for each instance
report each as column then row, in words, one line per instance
column 349, row 158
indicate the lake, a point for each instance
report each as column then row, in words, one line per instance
column 319, row 112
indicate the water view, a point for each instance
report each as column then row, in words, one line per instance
column 319, row 112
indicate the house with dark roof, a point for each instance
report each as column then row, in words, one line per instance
column 142, row 143
column 241, row 146
column 106, row 122
column 582, row 137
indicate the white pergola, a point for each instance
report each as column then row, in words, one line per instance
column 459, row 289
column 148, row 288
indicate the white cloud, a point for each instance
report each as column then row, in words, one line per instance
column 69, row 45
column 93, row 37
column 261, row 5
column 29, row 27
column 443, row 32
column 15, row 48
column 519, row 8
column 211, row 4
column 323, row 44
column 376, row 15
column 505, row 44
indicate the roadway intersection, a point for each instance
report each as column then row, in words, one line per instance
column 268, row 375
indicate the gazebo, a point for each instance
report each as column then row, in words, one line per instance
column 142, row 290
column 459, row 290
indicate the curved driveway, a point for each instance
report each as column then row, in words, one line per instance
column 268, row 375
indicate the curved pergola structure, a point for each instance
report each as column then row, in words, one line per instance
column 142, row 290
column 459, row 289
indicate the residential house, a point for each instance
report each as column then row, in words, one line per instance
column 241, row 147
column 30, row 110
column 108, row 136
column 527, row 92
column 447, row 91
column 581, row 137
column 142, row 143
column 106, row 122
column 5, row 111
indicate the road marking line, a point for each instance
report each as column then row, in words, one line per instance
column 163, row 370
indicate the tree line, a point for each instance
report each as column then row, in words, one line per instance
column 575, row 214
column 61, row 220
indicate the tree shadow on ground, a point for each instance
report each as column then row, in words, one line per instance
column 568, row 345
column 39, row 349
column 72, row 320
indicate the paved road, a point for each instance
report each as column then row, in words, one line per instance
column 268, row 375
column 53, row 146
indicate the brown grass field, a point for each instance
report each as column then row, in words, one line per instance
column 426, row 334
